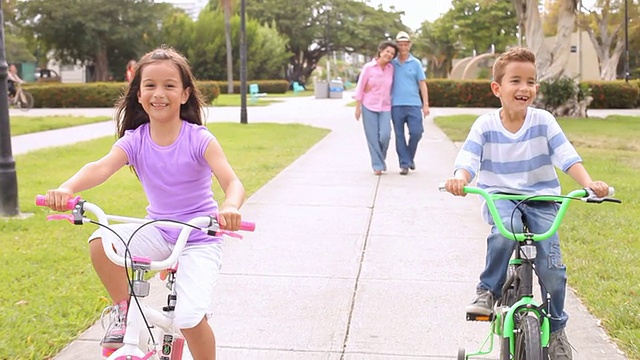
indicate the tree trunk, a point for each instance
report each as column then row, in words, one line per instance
column 101, row 63
column 227, row 34
column 603, row 43
column 550, row 63
column 562, row 47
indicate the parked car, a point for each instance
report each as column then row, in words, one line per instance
column 46, row 75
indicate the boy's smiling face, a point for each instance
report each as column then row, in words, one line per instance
column 518, row 87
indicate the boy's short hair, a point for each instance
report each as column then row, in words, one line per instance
column 517, row 54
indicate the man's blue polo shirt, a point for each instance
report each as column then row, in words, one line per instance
column 405, row 90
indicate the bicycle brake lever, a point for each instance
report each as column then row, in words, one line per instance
column 229, row 233
column 67, row 217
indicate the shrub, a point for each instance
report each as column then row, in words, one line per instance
column 613, row 94
column 99, row 94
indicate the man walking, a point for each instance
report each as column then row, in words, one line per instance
column 409, row 102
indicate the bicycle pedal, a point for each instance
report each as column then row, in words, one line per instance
column 479, row 317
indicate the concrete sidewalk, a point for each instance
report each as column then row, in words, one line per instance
column 348, row 265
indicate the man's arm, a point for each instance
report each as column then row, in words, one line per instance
column 424, row 93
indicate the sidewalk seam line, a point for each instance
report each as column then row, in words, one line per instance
column 357, row 279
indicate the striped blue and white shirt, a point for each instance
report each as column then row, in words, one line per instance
column 521, row 162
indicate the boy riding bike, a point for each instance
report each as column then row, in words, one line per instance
column 162, row 137
column 514, row 150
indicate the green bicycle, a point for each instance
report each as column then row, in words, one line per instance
column 520, row 321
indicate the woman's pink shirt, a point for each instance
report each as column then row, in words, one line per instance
column 378, row 81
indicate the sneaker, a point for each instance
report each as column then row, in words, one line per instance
column 559, row 347
column 114, row 336
column 404, row 171
column 412, row 167
column 482, row 303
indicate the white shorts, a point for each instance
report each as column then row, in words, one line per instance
column 198, row 269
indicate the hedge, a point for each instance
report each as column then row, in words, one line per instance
column 442, row 93
column 99, row 94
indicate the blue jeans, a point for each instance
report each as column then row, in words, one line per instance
column 377, row 129
column 412, row 116
column 538, row 217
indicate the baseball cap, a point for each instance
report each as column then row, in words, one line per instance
column 402, row 36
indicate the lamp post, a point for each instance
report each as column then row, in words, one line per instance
column 243, row 64
column 8, row 178
column 626, row 41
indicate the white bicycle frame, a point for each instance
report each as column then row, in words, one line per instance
column 136, row 328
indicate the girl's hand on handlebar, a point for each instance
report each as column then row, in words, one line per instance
column 456, row 186
column 600, row 188
column 229, row 218
column 57, row 199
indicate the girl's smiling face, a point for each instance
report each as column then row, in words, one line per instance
column 518, row 87
column 161, row 91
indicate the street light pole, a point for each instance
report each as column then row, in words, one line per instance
column 626, row 41
column 8, row 178
column 243, row 64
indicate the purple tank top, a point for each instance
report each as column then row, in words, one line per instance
column 176, row 178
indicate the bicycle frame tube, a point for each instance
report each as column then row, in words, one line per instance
column 103, row 218
column 491, row 198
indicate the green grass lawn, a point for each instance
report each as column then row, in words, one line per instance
column 234, row 99
column 50, row 292
column 29, row 124
column 600, row 242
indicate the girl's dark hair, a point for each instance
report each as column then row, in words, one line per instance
column 129, row 112
column 385, row 44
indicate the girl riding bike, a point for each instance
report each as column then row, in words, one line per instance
column 162, row 137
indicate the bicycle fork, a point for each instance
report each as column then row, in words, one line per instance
column 171, row 345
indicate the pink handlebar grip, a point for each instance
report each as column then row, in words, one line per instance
column 247, row 225
column 40, row 201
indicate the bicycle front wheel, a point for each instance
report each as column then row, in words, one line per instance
column 25, row 101
column 528, row 342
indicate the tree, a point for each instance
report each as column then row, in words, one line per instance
column 438, row 44
column 484, row 25
column 17, row 50
column 203, row 42
column 551, row 62
column 91, row 31
column 317, row 28
column 226, row 6
column 606, row 32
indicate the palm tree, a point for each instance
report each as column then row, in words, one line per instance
column 226, row 6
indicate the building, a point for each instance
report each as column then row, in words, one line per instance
column 582, row 64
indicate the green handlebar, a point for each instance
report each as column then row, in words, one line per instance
column 562, row 199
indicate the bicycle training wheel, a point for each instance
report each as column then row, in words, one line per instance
column 25, row 101
column 528, row 342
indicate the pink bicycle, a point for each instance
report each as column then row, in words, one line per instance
column 150, row 333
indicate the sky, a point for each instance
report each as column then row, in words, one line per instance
column 417, row 11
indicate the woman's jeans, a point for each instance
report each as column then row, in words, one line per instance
column 377, row 129
column 538, row 216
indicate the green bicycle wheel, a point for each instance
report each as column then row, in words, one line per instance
column 528, row 342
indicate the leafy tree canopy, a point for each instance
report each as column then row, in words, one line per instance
column 316, row 28
column 91, row 31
